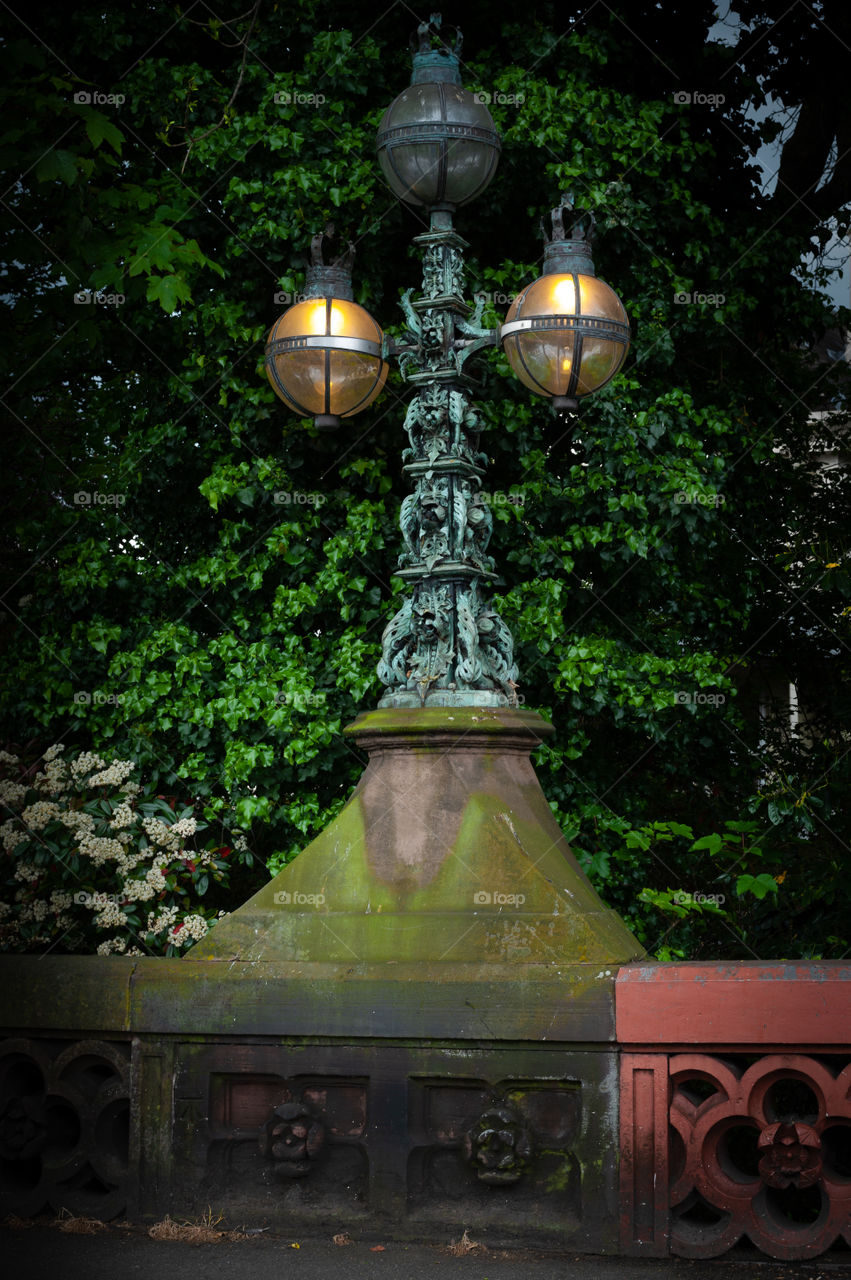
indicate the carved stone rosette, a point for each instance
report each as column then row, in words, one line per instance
column 446, row 646
column 498, row 1146
column 293, row 1138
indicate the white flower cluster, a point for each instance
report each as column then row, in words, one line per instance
column 27, row 872
column 112, row 775
column 156, row 879
column 100, row 849
column 37, row 815
column 12, row 793
column 115, row 944
column 160, row 833
column 33, row 911
column 78, row 820
column 54, row 781
column 122, row 817
column 240, row 843
column 128, row 857
column 110, row 916
column 192, row 929
column 85, row 763
column 12, row 835
column 138, row 890
column 166, row 918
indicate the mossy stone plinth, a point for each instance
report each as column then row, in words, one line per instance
column 447, row 852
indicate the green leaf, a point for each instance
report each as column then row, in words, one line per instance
column 168, row 291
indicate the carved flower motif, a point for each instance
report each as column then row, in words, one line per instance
column 293, row 1139
column 498, row 1146
column 791, row 1155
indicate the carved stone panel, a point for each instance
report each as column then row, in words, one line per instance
column 64, row 1127
column 270, row 1146
column 507, row 1151
column 716, row 1150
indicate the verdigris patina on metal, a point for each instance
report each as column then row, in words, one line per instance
column 447, row 645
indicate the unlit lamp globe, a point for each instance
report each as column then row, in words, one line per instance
column 324, row 359
column 437, row 143
column 566, row 336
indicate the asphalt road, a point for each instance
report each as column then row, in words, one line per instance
column 125, row 1253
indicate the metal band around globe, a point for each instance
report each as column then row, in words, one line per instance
column 323, row 342
column 439, row 130
column 590, row 325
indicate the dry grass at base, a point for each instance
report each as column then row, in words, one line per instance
column 188, row 1232
column 460, row 1248
column 203, row 1232
column 79, row 1226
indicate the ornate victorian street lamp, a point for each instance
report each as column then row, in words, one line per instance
column 442, row 901
column 565, row 336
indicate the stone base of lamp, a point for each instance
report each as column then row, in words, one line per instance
column 446, row 854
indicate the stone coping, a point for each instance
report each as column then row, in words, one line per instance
column 747, row 1004
column 654, row 1007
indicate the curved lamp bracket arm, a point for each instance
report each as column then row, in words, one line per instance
column 463, row 350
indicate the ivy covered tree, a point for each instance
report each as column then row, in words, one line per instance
column 198, row 581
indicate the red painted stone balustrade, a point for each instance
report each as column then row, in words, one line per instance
column 735, row 1108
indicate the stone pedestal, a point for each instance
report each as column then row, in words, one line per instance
column 446, row 854
column 408, row 1032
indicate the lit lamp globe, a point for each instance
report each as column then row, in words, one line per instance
column 324, row 356
column 567, row 334
column 437, row 143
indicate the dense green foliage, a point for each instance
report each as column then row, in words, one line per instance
column 213, row 611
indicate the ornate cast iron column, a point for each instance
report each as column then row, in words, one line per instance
column 447, row 645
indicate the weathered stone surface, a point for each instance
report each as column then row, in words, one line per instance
column 396, row 1121
column 80, row 994
column 544, row 1003
column 447, row 852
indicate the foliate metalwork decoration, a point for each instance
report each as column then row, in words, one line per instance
column 293, row 1139
column 446, row 645
column 499, row 1145
column 64, row 1127
column 762, row 1150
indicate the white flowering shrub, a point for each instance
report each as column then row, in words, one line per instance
column 91, row 863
